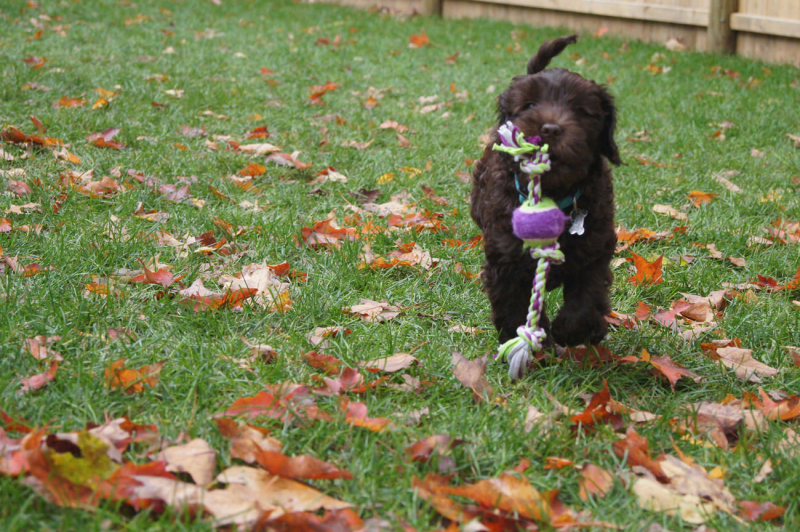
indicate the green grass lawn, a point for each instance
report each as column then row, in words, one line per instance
column 217, row 56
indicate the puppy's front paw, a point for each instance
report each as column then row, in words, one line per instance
column 575, row 328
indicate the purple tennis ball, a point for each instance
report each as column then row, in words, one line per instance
column 540, row 224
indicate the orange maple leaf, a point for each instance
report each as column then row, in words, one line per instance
column 132, row 380
column 417, row 41
column 646, row 272
column 699, row 198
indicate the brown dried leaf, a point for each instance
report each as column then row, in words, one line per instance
column 470, row 374
column 594, row 481
column 197, row 458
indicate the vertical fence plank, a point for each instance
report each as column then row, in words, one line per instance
column 431, row 7
column 721, row 38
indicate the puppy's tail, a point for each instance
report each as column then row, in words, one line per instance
column 549, row 50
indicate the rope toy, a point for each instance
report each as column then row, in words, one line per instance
column 538, row 222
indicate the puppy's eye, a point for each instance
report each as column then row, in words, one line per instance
column 590, row 112
column 530, row 105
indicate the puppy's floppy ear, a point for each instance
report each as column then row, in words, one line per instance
column 503, row 113
column 549, row 50
column 608, row 146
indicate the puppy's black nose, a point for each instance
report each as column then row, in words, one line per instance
column 551, row 130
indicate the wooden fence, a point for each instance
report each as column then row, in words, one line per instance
column 763, row 29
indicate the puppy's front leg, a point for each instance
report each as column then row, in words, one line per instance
column 581, row 319
column 508, row 285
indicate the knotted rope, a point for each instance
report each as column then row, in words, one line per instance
column 538, row 222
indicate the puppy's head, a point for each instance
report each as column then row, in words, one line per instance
column 575, row 116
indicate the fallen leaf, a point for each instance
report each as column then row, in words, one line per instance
column 594, row 480
column 421, row 451
column 699, row 198
column 328, row 174
column 34, row 382
column 508, row 493
column 418, row 41
column 723, row 180
column 117, row 376
column 327, row 363
column 391, row 124
column 197, row 458
column 345, row 520
column 672, row 370
column 744, row 365
column 318, row 91
column 470, row 373
column 390, row 364
column 327, row 234
column 356, row 415
column 675, row 45
column 297, row 467
column 764, row 511
column 105, row 139
column 318, row 337
column 161, row 277
column 271, row 292
column 253, row 170
column 296, row 404
column 597, row 412
column 635, row 450
column 647, row 273
column 246, row 440
column 556, row 462
column 668, row 210
column 37, row 347
column 356, row 144
column 656, row 497
column 66, row 102
column 19, row 188
column 373, row 311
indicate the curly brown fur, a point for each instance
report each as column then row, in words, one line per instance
column 576, row 117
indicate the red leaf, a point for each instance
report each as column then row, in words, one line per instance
column 327, row 363
column 418, row 41
column 293, row 405
column 161, row 276
column 132, row 380
column 422, row 450
column 34, row 382
column 326, row 233
column 305, row 466
column 672, row 370
column 20, row 188
column 356, row 414
column 66, row 101
column 760, row 511
column 345, row 520
column 105, row 139
column 318, row 91
column 260, row 132
column 596, row 410
column 14, row 425
column 634, row 449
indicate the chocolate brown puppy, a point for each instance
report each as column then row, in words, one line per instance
column 576, row 117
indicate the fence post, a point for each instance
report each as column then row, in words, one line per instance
column 721, row 38
column 431, row 7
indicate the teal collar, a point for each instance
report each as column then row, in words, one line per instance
column 565, row 204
